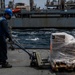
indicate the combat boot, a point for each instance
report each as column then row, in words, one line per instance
column 6, row 65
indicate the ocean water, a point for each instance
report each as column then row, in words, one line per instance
column 37, row 38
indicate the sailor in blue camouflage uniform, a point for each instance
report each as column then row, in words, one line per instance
column 4, row 33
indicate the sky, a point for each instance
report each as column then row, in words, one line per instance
column 40, row 3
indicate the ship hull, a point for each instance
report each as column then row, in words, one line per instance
column 61, row 22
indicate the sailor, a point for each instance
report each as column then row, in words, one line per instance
column 4, row 33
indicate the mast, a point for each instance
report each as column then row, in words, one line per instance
column 31, row 4
column 2, row 4
column 62, row 4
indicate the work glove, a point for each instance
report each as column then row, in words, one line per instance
column 10, row 39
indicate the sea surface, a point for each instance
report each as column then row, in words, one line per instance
column 37, row 38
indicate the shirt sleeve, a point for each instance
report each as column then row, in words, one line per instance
column 5, row 28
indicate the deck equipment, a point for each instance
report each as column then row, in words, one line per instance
column 35, row 57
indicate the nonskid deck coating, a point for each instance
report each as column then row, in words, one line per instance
column 21, row 64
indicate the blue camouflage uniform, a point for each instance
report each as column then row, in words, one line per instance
column 4, row 33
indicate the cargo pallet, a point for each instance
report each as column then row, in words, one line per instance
column 62, row 66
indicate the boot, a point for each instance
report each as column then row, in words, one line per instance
column 6, row 65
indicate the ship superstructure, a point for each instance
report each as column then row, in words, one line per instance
column 58, row 14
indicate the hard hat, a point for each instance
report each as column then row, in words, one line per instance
column 9, row 12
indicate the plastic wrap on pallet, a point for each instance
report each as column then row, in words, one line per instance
column 63, row 48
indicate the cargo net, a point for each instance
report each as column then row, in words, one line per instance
column 63, row 49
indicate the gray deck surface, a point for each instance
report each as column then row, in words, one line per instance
column 21, row 65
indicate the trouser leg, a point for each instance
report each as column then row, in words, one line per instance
column 3, row 50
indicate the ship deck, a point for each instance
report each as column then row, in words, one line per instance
column 20, row 62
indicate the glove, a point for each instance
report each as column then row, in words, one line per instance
column 10, row 39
